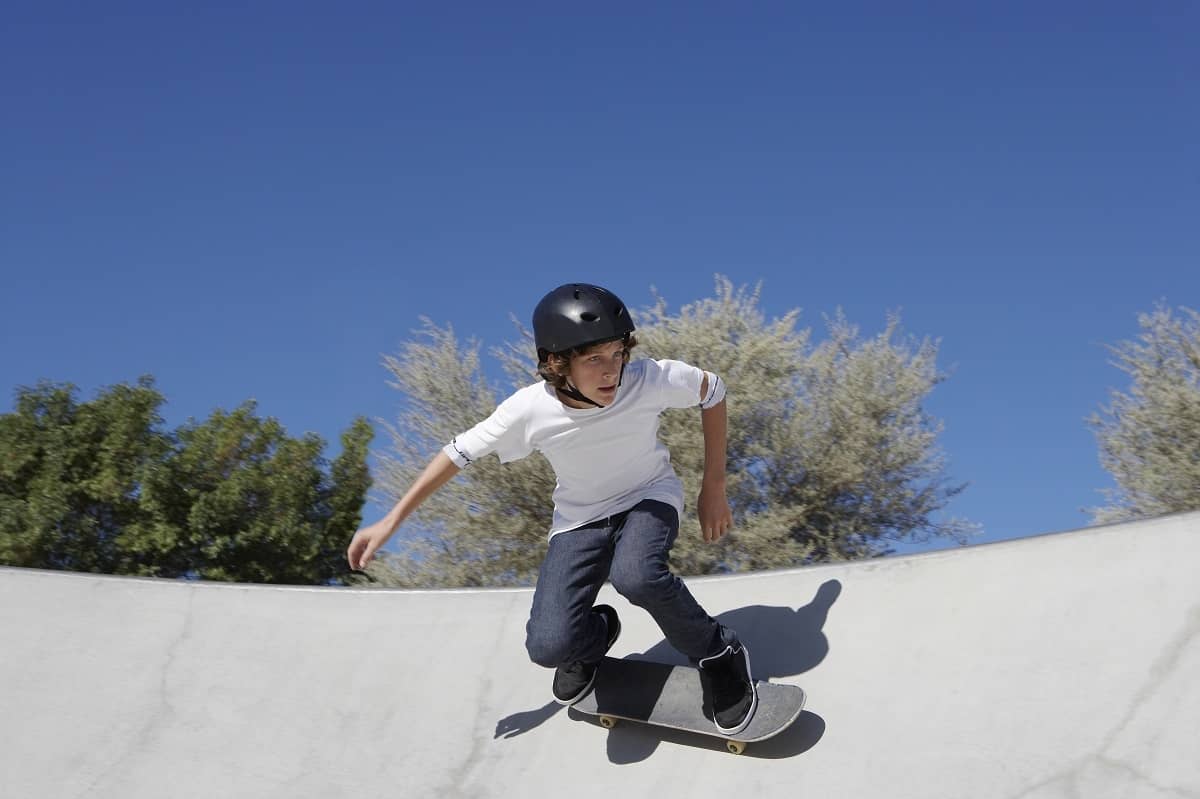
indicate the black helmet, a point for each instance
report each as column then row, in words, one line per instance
column 578, row 314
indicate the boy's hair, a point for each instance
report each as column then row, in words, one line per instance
column 553, row 367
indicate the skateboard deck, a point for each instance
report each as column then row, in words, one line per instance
column 672, row 696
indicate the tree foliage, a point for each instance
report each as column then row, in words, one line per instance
column 486, row 527
column 99, row 486
column 831, row 454
column 1149, row 436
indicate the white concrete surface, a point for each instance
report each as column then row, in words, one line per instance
column 1061, row 666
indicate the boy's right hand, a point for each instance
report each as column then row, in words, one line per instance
column 365, row 543
column 369, row 539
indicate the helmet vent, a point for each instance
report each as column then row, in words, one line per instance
column 577, row 315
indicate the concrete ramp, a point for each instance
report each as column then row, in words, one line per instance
column 1061, row 666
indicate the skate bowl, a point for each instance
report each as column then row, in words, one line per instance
column 1065, row 665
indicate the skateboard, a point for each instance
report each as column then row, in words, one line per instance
column 672, row 696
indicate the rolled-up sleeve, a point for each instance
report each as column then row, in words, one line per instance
column 680, row 383
column 503, row 433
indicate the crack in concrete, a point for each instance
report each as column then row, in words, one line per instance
column 141, row 741
column 1161, row 671
column 474, row 759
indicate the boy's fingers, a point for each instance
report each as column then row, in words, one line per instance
column 359, row 554
column 715, row 532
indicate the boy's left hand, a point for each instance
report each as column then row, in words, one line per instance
column 712, row 507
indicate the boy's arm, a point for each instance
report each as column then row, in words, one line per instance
column 712, row 506
column 369, row 539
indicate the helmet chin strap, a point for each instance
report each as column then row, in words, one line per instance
column 577, row 395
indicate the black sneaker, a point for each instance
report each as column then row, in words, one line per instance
column 734, row 698
column 573, row 682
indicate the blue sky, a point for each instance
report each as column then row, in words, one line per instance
column 260, row 200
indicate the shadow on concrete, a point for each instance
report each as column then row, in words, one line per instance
column 521, row 723
column 783, row 642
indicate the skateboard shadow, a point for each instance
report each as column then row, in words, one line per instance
column 782, row 641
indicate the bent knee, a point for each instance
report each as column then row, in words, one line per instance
column 548, row 648
column 644, row 583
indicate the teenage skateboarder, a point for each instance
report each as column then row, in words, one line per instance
column 594, row 415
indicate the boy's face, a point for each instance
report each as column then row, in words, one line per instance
column 596, row 371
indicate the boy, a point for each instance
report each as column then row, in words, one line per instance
column 617, row 503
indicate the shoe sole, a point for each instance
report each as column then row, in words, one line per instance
column 587, row 689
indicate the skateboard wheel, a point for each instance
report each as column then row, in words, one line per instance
column 736, row 747
column 608, row 722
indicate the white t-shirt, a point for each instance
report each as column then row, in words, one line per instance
column 606, row 459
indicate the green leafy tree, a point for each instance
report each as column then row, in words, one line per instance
column 69, row 475
column 831, row 455
column 98, row 486
column 1149, row 436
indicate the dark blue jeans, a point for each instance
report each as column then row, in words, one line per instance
column 630, row 549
